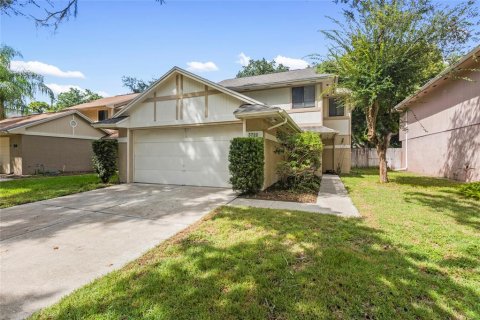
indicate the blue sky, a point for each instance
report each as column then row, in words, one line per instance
column 109, row 39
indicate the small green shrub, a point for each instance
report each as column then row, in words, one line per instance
column 302, row 154
column 471, row 190
column 246, row 164
column 105, row 154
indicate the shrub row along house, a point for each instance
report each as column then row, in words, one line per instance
column 179, row 130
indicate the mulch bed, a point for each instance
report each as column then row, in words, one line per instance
column 276, row 194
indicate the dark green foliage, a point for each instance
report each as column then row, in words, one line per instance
column 74, row 97
column 302, row 158
column 259, row 67
column 105, row 158
column 246, row 164
column 136, row 85
column 471, row 190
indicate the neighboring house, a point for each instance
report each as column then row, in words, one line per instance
column 179, row 130
column 47, row 142
column 441, row 121
column 104, row 108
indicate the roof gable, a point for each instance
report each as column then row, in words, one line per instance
column 143, row 96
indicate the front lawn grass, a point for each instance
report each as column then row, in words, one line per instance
column 25, row 190
column 414, row 255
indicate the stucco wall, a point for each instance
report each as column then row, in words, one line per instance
column 16, row 154
column 444, row 130
column 271, row 161
column 55, row 154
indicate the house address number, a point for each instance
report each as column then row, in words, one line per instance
column 255, row 134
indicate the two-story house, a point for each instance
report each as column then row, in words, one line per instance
column 179, row 130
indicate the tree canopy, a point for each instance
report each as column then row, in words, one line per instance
column 73, row 97
column 16, row 87
column 136, row 85
column 385, row 49
column 38, row 107
column 259, row 67
column 54, row 12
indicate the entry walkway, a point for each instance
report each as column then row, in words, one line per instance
column 332, row 199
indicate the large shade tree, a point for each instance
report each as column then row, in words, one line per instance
column 385, row 49
column 16, row 87
column 259, row 67
column 73, row 97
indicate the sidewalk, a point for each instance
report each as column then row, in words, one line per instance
column 332, row 199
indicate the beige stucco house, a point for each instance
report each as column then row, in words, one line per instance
column 441, row 123
column 47, row 142
column 179, row 130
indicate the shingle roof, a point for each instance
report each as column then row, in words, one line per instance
column 251, row 108
column 274, row 78
column 114, row 101
column 14, row 122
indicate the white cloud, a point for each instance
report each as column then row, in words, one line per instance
column 292, row 63
column 44, row 69
column 104, row 94
column 201, row 66
column 59, row 88
column 243, row 59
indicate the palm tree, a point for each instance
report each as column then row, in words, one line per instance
column 17, row 86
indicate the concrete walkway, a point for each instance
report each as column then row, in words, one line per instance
column 49, row 248
column 332, row 199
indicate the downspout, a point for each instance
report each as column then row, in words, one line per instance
column 333, row 153
column 405, row 168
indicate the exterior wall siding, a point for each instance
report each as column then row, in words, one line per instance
column 55, row 154
column 16, row 154
column 4, row 155
column 444, row 131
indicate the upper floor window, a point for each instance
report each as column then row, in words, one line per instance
column 303, row 97
column 102, row 115
column 335, row 108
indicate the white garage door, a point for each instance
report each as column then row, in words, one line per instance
column 195, row 156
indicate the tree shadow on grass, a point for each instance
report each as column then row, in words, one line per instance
column 464, row 211
column 273, row 264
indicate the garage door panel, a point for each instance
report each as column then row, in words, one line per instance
column 192, row 156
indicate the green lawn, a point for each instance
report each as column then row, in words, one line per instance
column 415, row 254
column 15, row 192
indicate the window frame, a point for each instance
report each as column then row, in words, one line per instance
column 336, row 109
column 105, row 112
column 311, row 104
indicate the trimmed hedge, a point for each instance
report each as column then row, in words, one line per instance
column 105, row 153
column 246, row 164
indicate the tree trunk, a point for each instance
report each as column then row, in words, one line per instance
column 3, row 114
column 382, row 147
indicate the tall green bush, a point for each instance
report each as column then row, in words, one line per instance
column 302, row 154
column 246, row 164
column 105, row 154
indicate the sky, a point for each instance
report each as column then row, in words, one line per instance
column 144, row 39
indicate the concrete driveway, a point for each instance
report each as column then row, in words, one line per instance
column 49, row 248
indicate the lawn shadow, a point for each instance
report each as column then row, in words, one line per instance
column 273, row 264
column 464, row 211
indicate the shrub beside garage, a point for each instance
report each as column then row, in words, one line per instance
column 246, row 164
column 105, row 154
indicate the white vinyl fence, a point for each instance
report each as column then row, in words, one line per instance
column 365, row 158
